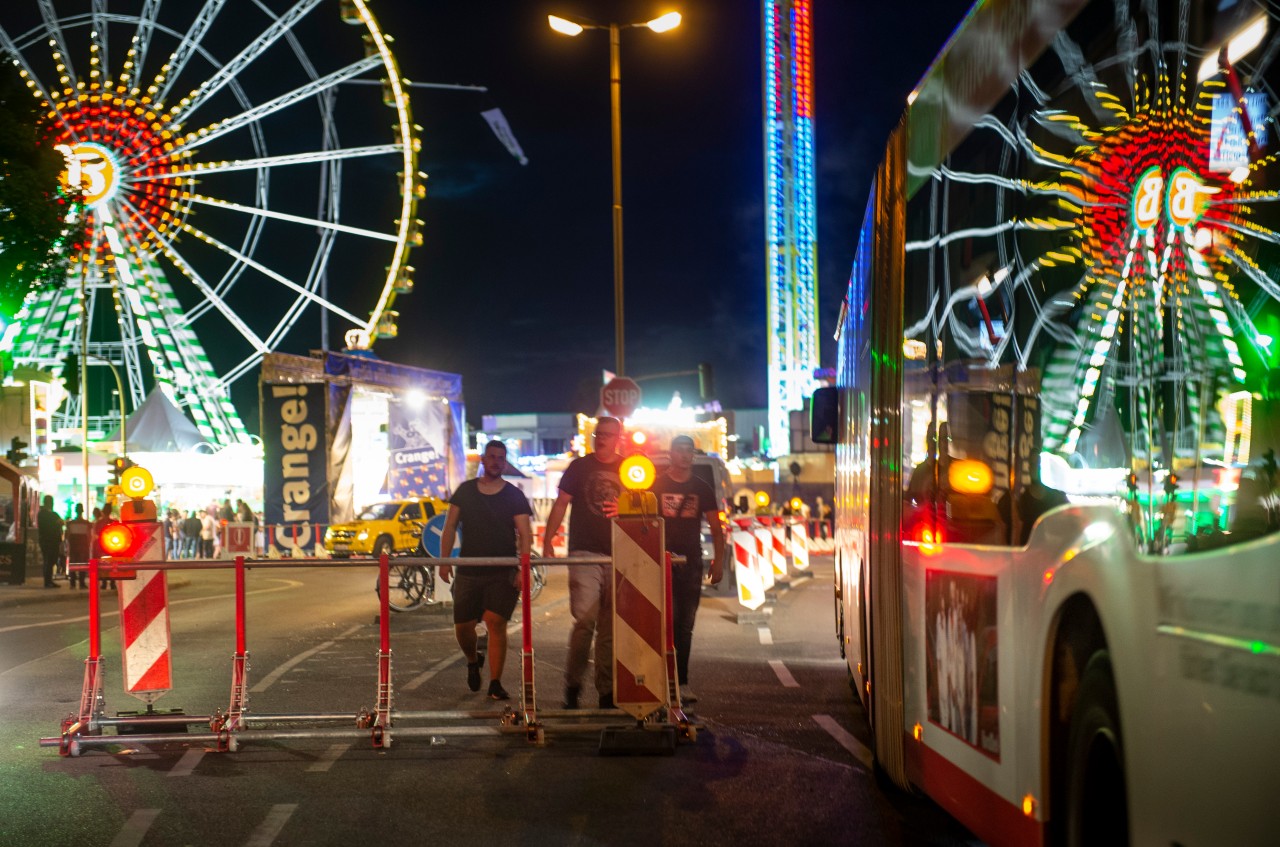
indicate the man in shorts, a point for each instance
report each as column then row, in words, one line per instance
column 495, row 520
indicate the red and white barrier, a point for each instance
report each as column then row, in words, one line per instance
column 746, row 571
column 639, row 616
column 764, row 556
column 779, row 549
column 560, row 544
column 800, row 546
column 144, row 620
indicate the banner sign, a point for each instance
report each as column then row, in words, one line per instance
column 417, row 449
column 295, row 485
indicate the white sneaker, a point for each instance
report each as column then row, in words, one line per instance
column 687, row 695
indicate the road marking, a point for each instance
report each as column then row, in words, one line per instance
column 845, row 739
column 784, row 675
column 135, row 828
column 274, row 677
column 188, row 762
column 512, row 627
column 766, row 635
column 265, row 834
column 290, row 584
column 327, row 758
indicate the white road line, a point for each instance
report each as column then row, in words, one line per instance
column 135, row 828
column 845, row 739
column 291, row 583
column 265, row 834
column 188, row 762
column 766, row 635
column 430, row 672
column 274, row 677
column 327, row 758
column 784, row 675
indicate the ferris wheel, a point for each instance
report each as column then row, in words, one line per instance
column 204, row 140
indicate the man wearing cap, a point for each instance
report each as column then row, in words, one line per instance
column 684, row 501
column 592, row 484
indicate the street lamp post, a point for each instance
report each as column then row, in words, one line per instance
column 669, row 21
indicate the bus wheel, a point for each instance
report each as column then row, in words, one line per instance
column 1097, row 808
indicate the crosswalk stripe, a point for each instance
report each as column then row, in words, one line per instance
column 135, row 828
column 265, row 834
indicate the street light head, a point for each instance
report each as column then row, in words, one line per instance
column 564, row 27
column 670, row 20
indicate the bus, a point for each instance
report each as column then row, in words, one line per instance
column 1056, row 417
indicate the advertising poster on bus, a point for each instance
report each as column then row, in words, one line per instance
column 961, row 658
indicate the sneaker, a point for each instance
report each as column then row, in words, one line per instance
column 687, row 696
column 571, row 693
column 473, row 672
column 606, row 701
column 497, row 692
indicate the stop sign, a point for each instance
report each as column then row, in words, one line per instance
column 620, row 396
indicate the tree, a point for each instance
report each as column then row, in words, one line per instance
column 33, row 210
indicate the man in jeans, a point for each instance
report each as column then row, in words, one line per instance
column 684, row 501
column 591, row 483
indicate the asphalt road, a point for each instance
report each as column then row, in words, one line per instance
column 779, row 756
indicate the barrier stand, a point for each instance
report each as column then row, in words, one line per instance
column 225, row 725
column 800, row 548
column 92, row 703
column 229, row 730
column 751, row 592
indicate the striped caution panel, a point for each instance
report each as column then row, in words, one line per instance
column 780, row 549
column 639, row 616
column 745, row 570
column 800, row 546
column 764, row 556
column 144, row 620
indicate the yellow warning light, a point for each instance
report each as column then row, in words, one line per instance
column 762, row 499
column 917, row 732
column 969, row 476
column 1029, row 806
column 137, row 482
column 796, row 504
column 637, row 472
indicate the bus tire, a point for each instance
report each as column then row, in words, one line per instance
column 1097, row 805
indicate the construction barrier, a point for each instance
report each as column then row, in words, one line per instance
column 639, row 609
column 800, row 546
column 779, row 549
column 144, row 619
column 746, row 570
column 236, row 725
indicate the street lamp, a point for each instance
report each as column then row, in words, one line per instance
column 663, row 23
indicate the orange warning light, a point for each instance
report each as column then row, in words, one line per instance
column 637, row 472
column 969, row 476
column 117, row 540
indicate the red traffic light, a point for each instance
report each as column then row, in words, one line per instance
column 118, row 541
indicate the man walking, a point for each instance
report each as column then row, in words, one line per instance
column 684, row 501
column 495, row 519
column 591, row 483
column 78, row 533
column 49, row 531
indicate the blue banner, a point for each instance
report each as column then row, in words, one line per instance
column 295, row 486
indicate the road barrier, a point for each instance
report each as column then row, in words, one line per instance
column 237, row 725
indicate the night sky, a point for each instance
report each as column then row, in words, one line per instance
column 514, row 282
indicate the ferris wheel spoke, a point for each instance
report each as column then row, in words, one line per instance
column 141, row 42
column 58, row 43
column 211, row 296
column 99, row 13
column 190, row 43
column 267, row 272
column 281, row 216
column 276, row 161
column 255, row 114
column 232, row 69
column 32, row 81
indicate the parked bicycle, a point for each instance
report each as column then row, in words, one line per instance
column 413, row 586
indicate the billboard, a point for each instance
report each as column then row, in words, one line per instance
column 295, row 485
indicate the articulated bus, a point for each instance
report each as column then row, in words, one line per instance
column 1057, row 411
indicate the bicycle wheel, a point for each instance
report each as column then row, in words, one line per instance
column 411, row 587
column 537, row 579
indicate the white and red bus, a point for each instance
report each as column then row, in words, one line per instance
column 1057, row 418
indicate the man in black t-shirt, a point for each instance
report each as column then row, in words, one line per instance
column 495, row 519
column 591, row 483
column 684, row 501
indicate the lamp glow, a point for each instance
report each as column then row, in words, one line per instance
column 666, row 22
column 116, row 539
column 137, row 482
column 564, row 27
column 1240, row 45
column 969, row 476
column 637, row 472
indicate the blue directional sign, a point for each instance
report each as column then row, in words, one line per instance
column 431, row 532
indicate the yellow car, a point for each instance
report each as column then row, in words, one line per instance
column 392, row 527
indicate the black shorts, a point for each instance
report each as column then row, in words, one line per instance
column 475, row 595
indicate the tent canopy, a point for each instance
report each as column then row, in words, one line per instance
column 158, row 426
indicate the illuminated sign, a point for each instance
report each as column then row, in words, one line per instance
column 1147, row 196
column 91, row 169
column 1185, row 200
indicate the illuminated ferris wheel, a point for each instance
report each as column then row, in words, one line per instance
column 1127, row 245
column 222, row 206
